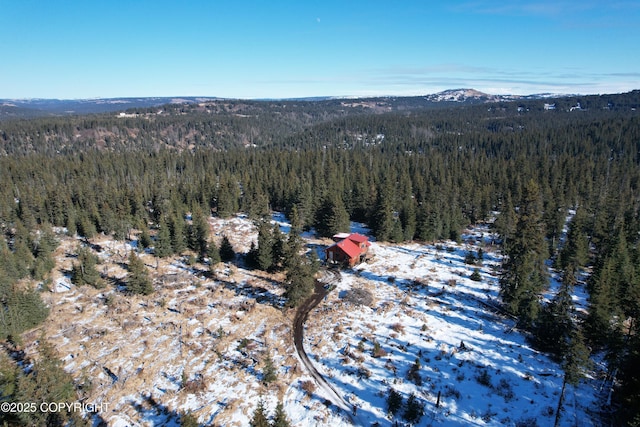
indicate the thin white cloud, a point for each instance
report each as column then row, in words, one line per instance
column 502, row 81
column 549, row 9
column 401, row 81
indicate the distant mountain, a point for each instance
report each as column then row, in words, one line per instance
column 30, row 108
column 461, row 95
column 475, row 96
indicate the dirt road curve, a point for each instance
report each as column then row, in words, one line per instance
column 298, row 331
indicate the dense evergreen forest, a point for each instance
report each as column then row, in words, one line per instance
column 409, row 173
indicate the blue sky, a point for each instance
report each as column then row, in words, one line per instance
column 261, row 49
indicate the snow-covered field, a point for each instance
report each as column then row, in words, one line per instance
column 428, row 309
column 199, row 344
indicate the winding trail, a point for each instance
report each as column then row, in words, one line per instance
column 298, row 334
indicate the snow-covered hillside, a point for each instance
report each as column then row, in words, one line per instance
column 460, row 95
column 427, row 308
column 199, row 344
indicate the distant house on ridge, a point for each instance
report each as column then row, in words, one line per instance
column 349, row 249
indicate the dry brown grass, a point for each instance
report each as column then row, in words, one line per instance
column 308, row 386
column 147, row 338
column 398, row 327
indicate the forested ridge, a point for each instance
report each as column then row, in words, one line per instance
column 408, row 173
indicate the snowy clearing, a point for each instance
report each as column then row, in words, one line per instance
column 198, row 344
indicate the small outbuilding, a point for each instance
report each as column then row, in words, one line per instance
column 349, row 249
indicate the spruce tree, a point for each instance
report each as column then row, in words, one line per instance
column 299, row 281
column 554, row 325
column 85, row 227
column 292, row 248
column 394, row 401
column 144, row 240
column 407, row 214
column 525, row 274
column 279, row 248
column 256, row 205
column 259, row 418
column 251, row 258
column 178, row 233
column 22, row 257
column 46, row 382
column 413, row 409
column 227, row 253
column 576, row 246
column 199, row 233
column 627, row 395
column 610, row 286
column 163, row 246
column 384, row 224
column 576, row 357
column 603, row 305
column 214, row 255
column 22, row 310
column 84, row 272
column 332, row 216
column 505, row 223
column 280, row 418
column 295, row 220
column 269, row 372
column 575, row 361
column 264, row 254
column 9, row 374
column 138, row 281
column 228, row 195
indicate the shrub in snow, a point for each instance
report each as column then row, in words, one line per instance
column 308, row 386
column 488, row 414
column 390, row 366
column 450, row 391
column 475, row 276
column 527, row 422
column 505, row 390
column 398, row 327
column 193, row 386
column 363, row 372
column 378, row 351
column 188, row 420
column 421, row 283
column 243, row 344
column 483, row 378
column 414, row 373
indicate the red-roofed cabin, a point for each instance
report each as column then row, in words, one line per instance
column 349, row 249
